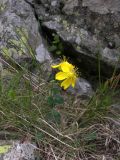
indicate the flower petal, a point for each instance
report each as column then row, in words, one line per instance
column 66, row 67
column 73, row 81
column 66, row 83
column 61, row 76
column 55, row 66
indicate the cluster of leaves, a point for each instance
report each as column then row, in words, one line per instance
column 56, row 46
column 55, row 98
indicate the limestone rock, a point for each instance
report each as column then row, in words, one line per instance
column 82, row 88
column 20, row 152
column 103, row 6
column 42, row 54
column 70, row 6
column 19, row 31
column 89, row 30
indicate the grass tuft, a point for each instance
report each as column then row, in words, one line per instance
column 64, row 127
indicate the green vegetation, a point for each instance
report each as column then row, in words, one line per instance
column 56, row 46
column 63, row 126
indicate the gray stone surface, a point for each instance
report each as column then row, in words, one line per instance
column 21, row 152
column 69, row 6
column 82, row 88
column 42, row 53
column 16, row 14
column 8, row 143
column 103, row 6
column 89, row 29
column 18, row 151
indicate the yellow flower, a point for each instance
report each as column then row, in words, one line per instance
column 67, row 74
column 64, row 66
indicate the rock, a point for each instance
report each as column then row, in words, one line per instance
column 82, row 88
column 54, row 3
column 88, row 30
column 16, row 150
column 21, row 151
column 111, row 56
column 103, row 6
column 19, row 31
column 70, row 6
column 7, row 144
column 42, row 54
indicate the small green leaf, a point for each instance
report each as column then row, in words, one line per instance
column 11, row 94
column 55, row 91
column 60, row 46
column 52, row 48
column 54, row 116
column 58, row 52
column 56, row 39
column 58, row 100
column 39, row 136
column 50, row 101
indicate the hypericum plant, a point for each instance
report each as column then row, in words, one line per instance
column 67, row 73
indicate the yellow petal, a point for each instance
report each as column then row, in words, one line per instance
column 61, row 76
column 73, row 81
column 55, row 66
column 66, row 83
column 66, row 67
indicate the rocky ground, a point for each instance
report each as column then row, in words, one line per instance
column 88, row 30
